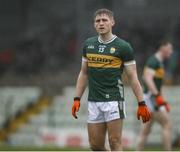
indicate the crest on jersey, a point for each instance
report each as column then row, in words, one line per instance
column 112, row 50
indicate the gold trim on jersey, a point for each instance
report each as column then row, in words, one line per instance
column 159, row 73
column 103, row 61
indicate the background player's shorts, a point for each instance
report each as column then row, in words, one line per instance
column 105, row 111
column 151, row 104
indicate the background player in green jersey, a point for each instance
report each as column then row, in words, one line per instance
column 104, row 59
column 153, row 79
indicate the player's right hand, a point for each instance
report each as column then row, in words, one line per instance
column 75, row 107
column 143, row 112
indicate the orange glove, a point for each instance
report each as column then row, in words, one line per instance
column 143, row 112
column 75, row 107
column 161, row 102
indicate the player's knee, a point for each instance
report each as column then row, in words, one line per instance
column 146, row 132
column 95, row 146
column 115, row 143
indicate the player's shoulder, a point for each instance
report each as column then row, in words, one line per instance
column 93, row 39
column 123, row 46
column 152, row 61
column 121, row 42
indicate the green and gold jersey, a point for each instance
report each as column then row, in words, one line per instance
column 106, row 61
column 158, row 67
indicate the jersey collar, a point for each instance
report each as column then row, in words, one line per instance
column 106, row 42
column 157, row 55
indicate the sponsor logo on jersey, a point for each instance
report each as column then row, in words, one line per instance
column 99, row 59
column 103, row 61
column 112, row 50
column 91, row 47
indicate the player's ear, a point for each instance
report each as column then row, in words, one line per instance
column 94, row 25
column 112, row 22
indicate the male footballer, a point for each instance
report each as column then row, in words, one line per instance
column 153, row 79
column 105, row 57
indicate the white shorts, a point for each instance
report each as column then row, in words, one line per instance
column 151, row 104
column 99, row 112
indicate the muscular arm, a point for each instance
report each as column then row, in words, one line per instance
column 131, row 73
column 148, row 79
column 82, row 80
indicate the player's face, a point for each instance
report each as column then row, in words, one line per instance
column 103, row 24
column 167, row 50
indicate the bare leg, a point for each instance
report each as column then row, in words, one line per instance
column 97, row 134
column 114, row 128
column 144, row 132
column 163, row 119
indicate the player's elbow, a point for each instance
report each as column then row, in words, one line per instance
column 147, row 79
column 83, row 72
column 133, row 79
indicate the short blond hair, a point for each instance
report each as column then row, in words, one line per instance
column 104, row 11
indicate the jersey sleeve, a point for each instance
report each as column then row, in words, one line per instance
column 151, row 64
column 128, row 55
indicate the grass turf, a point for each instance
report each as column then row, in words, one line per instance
column 52, row 148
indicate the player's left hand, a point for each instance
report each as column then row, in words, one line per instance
column 75, row 107
column 143, row 112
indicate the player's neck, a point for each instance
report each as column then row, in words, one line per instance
column 159, row 56
column 106, row 37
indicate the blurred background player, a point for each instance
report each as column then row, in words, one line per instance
column 153, row 75
column 104, row 59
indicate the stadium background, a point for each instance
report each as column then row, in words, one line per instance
column 40, row 57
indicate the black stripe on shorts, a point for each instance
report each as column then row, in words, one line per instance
column 121, row 109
